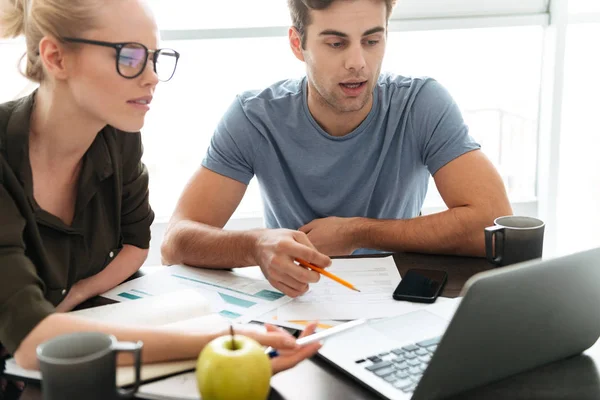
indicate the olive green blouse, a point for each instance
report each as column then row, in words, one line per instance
column 41, row 258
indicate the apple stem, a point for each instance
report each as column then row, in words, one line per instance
column 232, row 341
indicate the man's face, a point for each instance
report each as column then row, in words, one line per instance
column 344, row 49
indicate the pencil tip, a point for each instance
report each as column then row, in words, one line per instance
column 356, row 289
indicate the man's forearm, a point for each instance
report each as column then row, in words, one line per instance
column 457, row 231
column 197, row 244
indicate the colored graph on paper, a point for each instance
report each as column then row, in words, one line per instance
column 231, row 295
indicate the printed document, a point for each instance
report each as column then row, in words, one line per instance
column 376, row 278
column 235, row 296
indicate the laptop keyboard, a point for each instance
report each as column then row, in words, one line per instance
column 403, row 367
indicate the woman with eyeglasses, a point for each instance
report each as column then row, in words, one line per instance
column 75, row 217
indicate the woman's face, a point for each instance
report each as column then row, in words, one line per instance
column 93, row 80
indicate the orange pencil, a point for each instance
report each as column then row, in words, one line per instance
column 308, row 265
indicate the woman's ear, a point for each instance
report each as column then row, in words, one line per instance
column 296, row 43
column 52, row 55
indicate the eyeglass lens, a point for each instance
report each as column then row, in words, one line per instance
column 132, row 60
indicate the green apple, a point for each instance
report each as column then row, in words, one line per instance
column 235, row 369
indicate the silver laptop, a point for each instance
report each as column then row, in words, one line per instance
column 510, row 320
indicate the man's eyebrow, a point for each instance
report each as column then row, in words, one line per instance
column 332, row 32
column 374, row 30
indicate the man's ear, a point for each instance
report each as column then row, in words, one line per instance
column 296, row 43
column 52, row 55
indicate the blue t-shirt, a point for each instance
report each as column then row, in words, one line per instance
column 380, row 170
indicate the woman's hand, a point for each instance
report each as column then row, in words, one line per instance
column 75, row 297
column 289, row 358
column 290, row 354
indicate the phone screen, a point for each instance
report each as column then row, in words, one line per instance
column 421, row 285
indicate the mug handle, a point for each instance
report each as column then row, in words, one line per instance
column 136, row 349
column 498, row 249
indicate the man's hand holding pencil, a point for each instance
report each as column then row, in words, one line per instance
column 276, row 251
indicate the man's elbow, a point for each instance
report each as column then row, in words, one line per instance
column 166, row 252
column 169, row 247
column 500, row 208
column 486, row 218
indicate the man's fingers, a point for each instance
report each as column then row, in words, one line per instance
column 285, row 289
column 291, row 292
column 307, row 228
column 288, row 280
column 306, row 251
column 285, row 266
column 301, row 236
column 301, row 274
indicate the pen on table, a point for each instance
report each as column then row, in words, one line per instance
column 328, row 274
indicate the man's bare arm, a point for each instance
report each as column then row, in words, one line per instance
column 195, row 236
column 471, row 188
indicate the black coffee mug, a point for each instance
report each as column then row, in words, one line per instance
column 83, row 365
column 514, row 239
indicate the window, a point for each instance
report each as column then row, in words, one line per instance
column 410, row 9
column 186, row 110
column 185, row 14
column 579, row 178
column 494, row 76
column 584, row 6
column 12, row 83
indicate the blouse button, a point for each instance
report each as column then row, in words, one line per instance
column 64, row 291
column 111, row 254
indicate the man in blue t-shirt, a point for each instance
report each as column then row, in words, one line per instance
column 343, row 158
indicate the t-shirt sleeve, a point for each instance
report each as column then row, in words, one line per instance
column 442, row 133
column 22, row 302
column 233, row 145
column 136, row 213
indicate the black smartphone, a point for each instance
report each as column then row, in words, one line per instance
column 421, row 285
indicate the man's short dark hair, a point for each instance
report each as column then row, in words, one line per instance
column 300, row 13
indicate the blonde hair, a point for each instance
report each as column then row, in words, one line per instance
column 39, row 18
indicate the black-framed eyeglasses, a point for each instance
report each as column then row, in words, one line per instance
column 132, row 58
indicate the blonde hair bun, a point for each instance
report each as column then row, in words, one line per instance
column 12, row 18
column 36, row 19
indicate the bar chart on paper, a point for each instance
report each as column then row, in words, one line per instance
column 230, row 295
